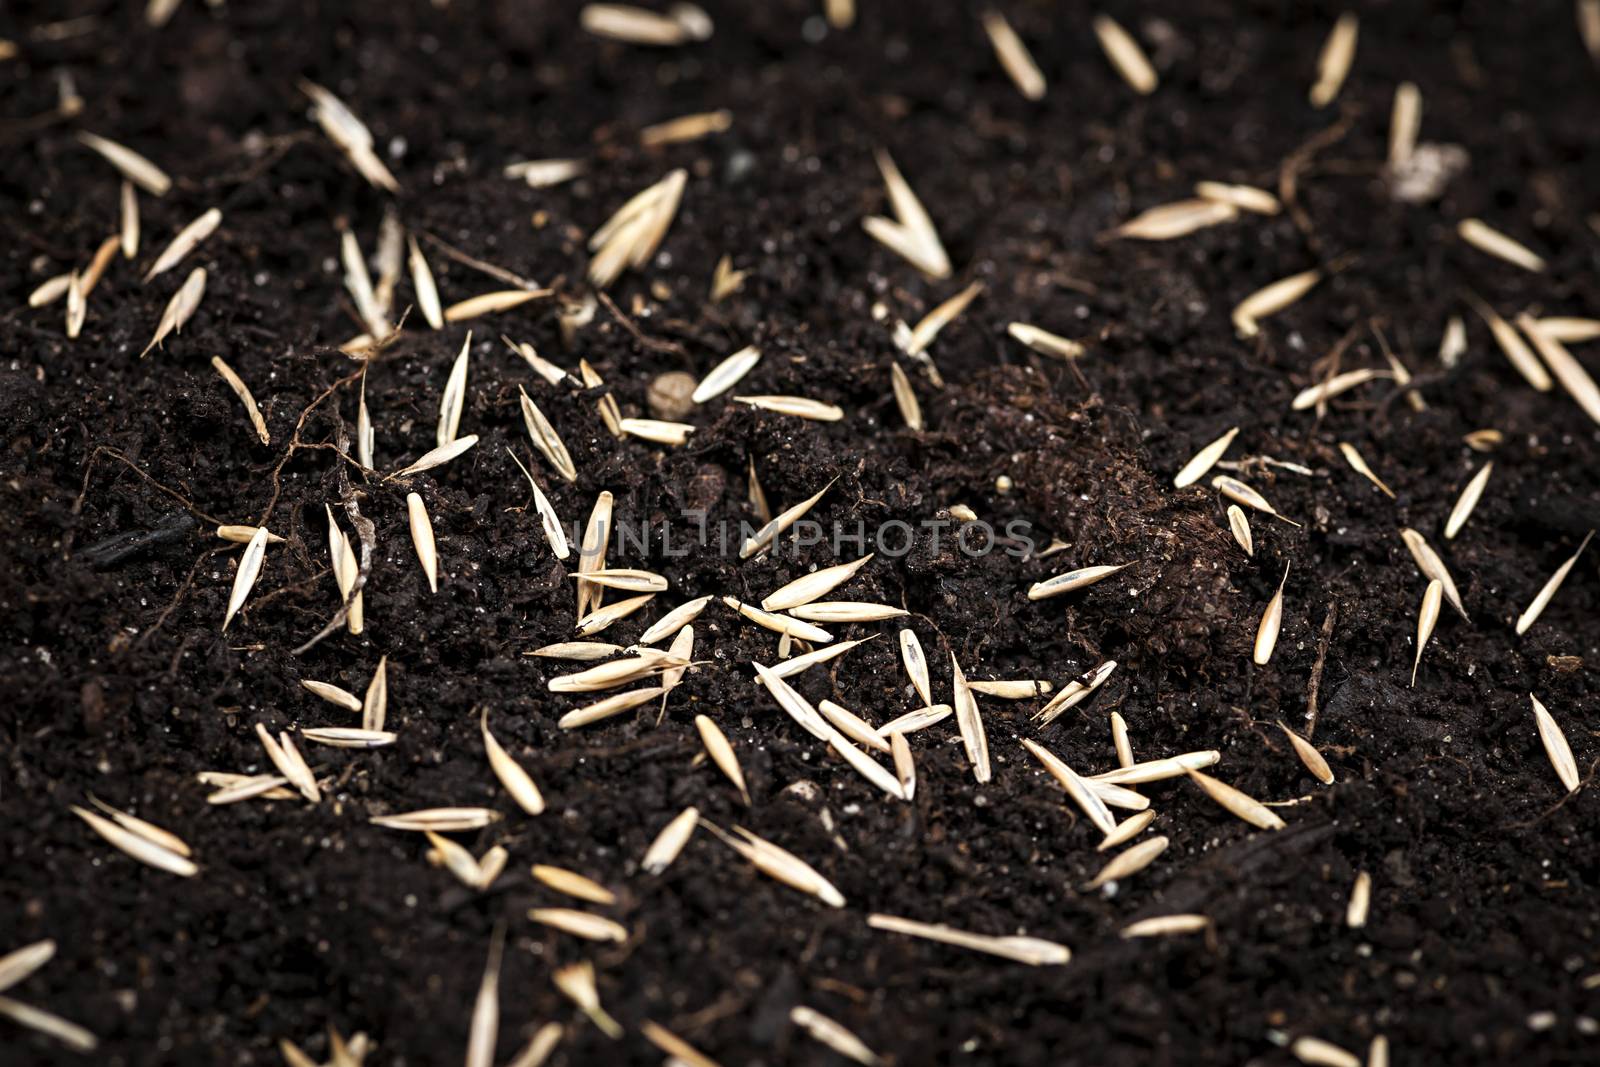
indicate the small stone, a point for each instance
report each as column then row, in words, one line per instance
column 669, row 395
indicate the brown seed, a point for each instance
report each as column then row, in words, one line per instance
column 669, row 395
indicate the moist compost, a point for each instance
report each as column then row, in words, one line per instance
column 1481, row 946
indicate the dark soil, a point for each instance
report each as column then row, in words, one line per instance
column 118, row 683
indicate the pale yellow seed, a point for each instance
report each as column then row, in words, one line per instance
column 1240, row 527
column 1355, row 913
column 1427, row 619
column 1014, row 56
column 670, row 841
column 1238, row 803
column 1125, row 55
column 1556, row 746
column 1034, row 951
column 1202, row 461
column 1309, row 756
column 1045, row 342
column 422, row 539
column 1166, row 222
column 1272, row 299
column 1333, row 64
column 1127, row 864
column 1244, row 197
column 1166, row 926
column 1405, row 121
column 580, row 924
column 1542, row 599
column 722, row 754
column 1271, row 623
column 1486, row 238
column 1470, row 495
column 516, row 781
column 1320, row 1053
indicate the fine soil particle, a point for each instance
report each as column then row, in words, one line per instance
column 1481, row 946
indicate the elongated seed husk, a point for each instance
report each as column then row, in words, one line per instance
column 791, row 667
column 248, row 787
column 649, row 661
column 136, row 168
column 1431, row 566
column 1166, row 222
column 632, row 25
column 349, row 134
column 1320, row 1053
column 1272, row 299
column 1034, row 951
column 1326, row 390
column 910, row 234
column 241, row 535
column 602, row 618
column 1129, row 863
column 545, row 438
column 1010, row 689
column 455, row 859
column 439, row 820
column 782, row 865
column 631, row 236
column 670, row 841
column 1244, row 197
column 185, row 242
column 1239, row 526
column 359, row 284
column 576, row 982
column 1333, row 63
column 973, row 735
column 1074, row 693
column 905, row 398
column 244, row 579
column 800, row 407
column 1204, row 460
column 1240, row 493
column 1516, row 350
column 923, row 334
column 147, row 830
column 439, row 456
column 1309, row 756
column 813, row 586
column 1470, row 495
column 853, row 726
column 1072, row 580
column 422, row 282
column 905, row 767
column 632, row 581
column 1119, row 740
column 658, row 431
column 422, row 539
column 916, row 665
column 582, row 651
column 1569, row 330
column 534, row 1054
column 783, row 624
column 1355, row 913
column 1157, row 770
column 453, row 401
column 920, row 719
column 19, row 963
column 609, row 707
column 1014, row 56
column 68, row 1033
column 1486, row 238
column 679, row 1052
column 516, row 781
column 1125, row 54
column 721, row 753
column 592, row 554
column 580, row 924
column 1237, row 802
column 1076, row 787
column 287, row 759
column 1271, row 623
column 1405, row 121
column 1044, row 342
column 1427, row 619
column 178, row 310
column 1541, row 600
column 1359, row 465
column 137, row 845
column 726, row 375
column 1165, row 926
column 375, row 702
column 1555, row 746
column 485, row 1026
column 1127, row 830
column 348, row 736
column 51, row 291
column 491, row 303
column 779, row 523
column 674, row 620
column 846, row 611
column 1568, row 371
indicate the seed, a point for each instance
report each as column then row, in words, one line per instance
column 576, row 983
column 149, row 831
column 1241, row 529
column 1314, row 1050
column 549, row 521
column 137, row 845
column 19, row 963
column 1485, row 238
column 936, row 320
column 491, row 303
column 632, row 25
column 674, row 620
column 912, row 721
column 1119, row 740
column 725, row 281
column 1333, row 64
column 779, row 864
column 1010, row 690
column 359, row 284
column 1555, row 746
column 1166, row 926
column 97, row 266
column 348, row 737
column 573, row 884
column 1431, row 566
column 687, row 128
column 366, row 436
column 1515, row 349
column 1074, row 693
column 248, row 787
column 1127, row 830
column 1245, row 807
column 349, row 134
column 375, row 703
column 77, row 304
column 670, row 841
column 769, row 533
column 1542, row 598
column 517, row 782
column 290, row 763
column 541, row 366
column 1405, row 120
column 846, row 611
column 1160, row 769
column 1322, row 392
column 791, row 667
column 630, row 237
column 1484, row 440
column 1359, row 465
column 682, row 650
column 633, row 581
column 910, row 234
column 241, row 535
column 853, row 726
column 1244, row 197
column 905, row 768
column 1240, row 493
column 1271, row 623
column 439, row 820
column 1453, row 345
column 1569, row 330
column 610, row 413
column 1204, row 460
column 439, row 456
column 422, row 539
column 1427, row 618
column 1033, row 951
column 534, row 1054
column 244, row 579
column 185, row 242
column 1309, row 756
column 727, row 374
column 1014, row 56
column 457, row 860
column 905, row 398
column 1072, row 580
column 592, row 557
column 916, row 665
column 602, row 618
column 68, row 1033
column 609, row 707
column 672, row 434
column 1126, row 55
column 1355, row 913
column 136, row 168
column 1467, row 501
column 798, row 406
column 1116, row 796
column 618, row 672
column 345, row 572
column 1075, row 786
column 721, row 753
column 178, row 310
column 800, row 631
column 973, row 736
column 679, row 1051
column 1129, row 863
column 51, row 291
column 422, row 281
column 1272, row 299
column 1045, row 342
column 577, row 650
column 1166, row 222
column 810, row 587
column 580, row 924
column 833, row 1035
column 485, row 1026
column 454, row 397
column 1568, row 371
